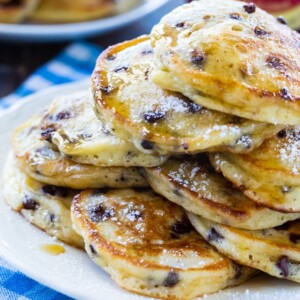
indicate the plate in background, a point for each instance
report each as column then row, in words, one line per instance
column 73, row 273
column 63, row 32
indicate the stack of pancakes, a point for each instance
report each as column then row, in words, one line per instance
column 182, row 168
column 62, row 11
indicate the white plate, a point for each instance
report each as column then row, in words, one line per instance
column 59, row 32
column 73, row 273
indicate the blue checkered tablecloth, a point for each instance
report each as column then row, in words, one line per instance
column 76, row 62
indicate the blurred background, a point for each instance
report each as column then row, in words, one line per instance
column 20, row 56
column 27, row 45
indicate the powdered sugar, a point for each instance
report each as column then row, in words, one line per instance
column 191, row 176
column 223, row 130
column 289, row 150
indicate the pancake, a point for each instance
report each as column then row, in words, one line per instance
column 148, row 246
column 45, row 206
column 275, row 251
column 15, row 11
column 71, row 124
column 232, row 57
column 269, row 175
column 193, row 184
column 158, row 121
column 41, row 161
column 65, row 11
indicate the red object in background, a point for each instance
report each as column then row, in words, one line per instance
column 273, row 6
column 288, row 9
column 276, row 6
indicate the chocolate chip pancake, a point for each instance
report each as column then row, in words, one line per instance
column 270, row 175
column 192, row 183
column 275, row 251
column 71, row 124
column 45, row 206
column 43, row 162
column 232, row 57
column 159, row 121
column 148, row 246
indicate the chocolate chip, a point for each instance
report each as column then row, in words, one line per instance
column 281, row 20
column 64, row 115
column 134, row 214
column 193, row 107
column 106, row 89
column 198, row 58
column 245, row 141
column 55, row 190
column 275, row 62
column 180, row 25
column 93, row 250
column 147, row 145
column 295, row 134
column 282, row 134
column 250, row 8
column 153, row 116
column 29, row 203
column 260, row 31
column 103, row 130
column 284, row 93
column 185, row 146
column 282, row 264
column 147, row 52
column 52, row 218
column 96, row 213
column 214, row 235
column 46, row 134
column 117, row 70
column 171, row 280
column 182, row 227
column 146, row 74
column 294, row 237
column 129, row 154
column 235, row 16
